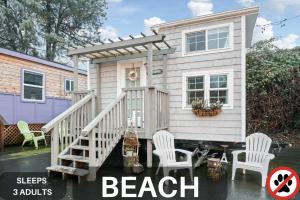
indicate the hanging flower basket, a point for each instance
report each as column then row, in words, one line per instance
column 201, row 109
column 203, row 113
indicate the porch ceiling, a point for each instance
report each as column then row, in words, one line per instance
column 123, row 47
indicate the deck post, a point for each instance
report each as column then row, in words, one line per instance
column 149, row 64
column 165, row 64
column 92, row 157
column 149, row 153
column 54, row 145
column 75, row 66
column 98, row 87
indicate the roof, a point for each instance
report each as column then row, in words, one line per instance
column 226, row 14
column 39, row 60
column 251, row 14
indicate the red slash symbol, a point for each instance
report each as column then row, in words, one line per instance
column 283, row 183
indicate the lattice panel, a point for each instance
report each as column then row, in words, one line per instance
column 12, row 134
column 1, row 136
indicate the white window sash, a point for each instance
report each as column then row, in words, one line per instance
column 31, row 85
column 70, row 86
column 185, row 51
column 207, row 89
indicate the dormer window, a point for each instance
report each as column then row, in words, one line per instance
column 209, row 39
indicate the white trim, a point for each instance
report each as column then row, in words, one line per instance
column 71, row 80
column 24, row 84
column 243, row 75
column 206, row 28
column 209, row 17
column 121, row 73
column 206, row 74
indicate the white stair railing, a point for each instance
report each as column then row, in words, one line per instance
column 80, row 94
column 67, row 127
column 105, row 130
column 162, row 109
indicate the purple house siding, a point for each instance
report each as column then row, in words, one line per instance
column 13, row 109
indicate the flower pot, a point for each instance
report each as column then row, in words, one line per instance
column 205, row 113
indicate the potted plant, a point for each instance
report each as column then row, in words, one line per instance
column 200, row 108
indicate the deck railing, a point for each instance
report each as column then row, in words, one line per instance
column 162, row 109
column 144, row 109
column 105, row 130
column 147, row 109
column 67, row 127
column 78, row 95
column 136, row 107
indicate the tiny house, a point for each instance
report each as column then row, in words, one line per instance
column 149, row 82
column 33, row 90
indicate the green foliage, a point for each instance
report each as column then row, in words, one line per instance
column 34, row 25
column 273, row 88
column 203, row 105
column 17, row 28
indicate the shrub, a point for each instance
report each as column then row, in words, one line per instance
column 273, row 89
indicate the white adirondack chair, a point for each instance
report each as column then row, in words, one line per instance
column 164, row 148
column 257, row 156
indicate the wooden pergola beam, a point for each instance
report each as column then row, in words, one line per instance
column 118, row 45
column 133, row 56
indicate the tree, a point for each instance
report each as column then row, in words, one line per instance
column 17, row 27
column 68, row 22
column 273, row 88
column 47, row 27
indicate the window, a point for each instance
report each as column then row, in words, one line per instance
column 218, row 89
column 195, row 88
column 207, row 39
column 195, row 41
column 211, row 86
column 218, row 38
column 33, row 86
column 69, row 85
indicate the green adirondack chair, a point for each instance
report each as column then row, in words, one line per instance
column 29, row 135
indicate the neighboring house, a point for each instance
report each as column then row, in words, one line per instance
column 149, row 82
column 33, row 89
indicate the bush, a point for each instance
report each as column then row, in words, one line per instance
column 273, row 89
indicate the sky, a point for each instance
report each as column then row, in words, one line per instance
column 126, row 17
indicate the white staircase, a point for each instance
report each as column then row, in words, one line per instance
column 81, row 141
column 79, row 149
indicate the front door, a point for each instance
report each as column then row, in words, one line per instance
column 132, row 74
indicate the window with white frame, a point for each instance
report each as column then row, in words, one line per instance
column 195, row 41
column 69, row 85
column 210, row 86
column 218, row 38
column 195, row 88
column 218, row 90
column 33, row 86
column 214, row 38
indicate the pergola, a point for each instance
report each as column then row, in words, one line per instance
column 124, row 49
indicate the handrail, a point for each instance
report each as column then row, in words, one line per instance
column 82, row 91
column 50, row 125
column 161, row 90
column 96, row 120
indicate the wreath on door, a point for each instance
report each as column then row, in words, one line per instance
column 133, row 75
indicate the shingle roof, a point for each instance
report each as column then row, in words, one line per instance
column 39, row 60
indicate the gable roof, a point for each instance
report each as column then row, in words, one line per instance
column 39, row 60
column 251, row 14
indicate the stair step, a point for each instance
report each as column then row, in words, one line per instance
column 74, row 158
column 79, row 147
column 68, row 170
